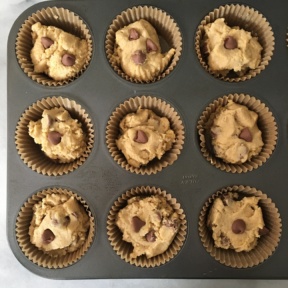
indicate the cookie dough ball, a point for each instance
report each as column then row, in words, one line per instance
column 59, row 225
column 60, row 136
column 235, row 134
column 149, row 223
column 236, row 224
column 145, row 136
column 57, row 53
column 138, row 51
column 230, row 48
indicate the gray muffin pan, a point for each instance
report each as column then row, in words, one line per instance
column 191, row 179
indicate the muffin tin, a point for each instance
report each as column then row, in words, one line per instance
column 190, row 179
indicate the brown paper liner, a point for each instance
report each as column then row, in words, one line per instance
column 51, row 16
column 160, row 108
column 31, row 153
column 267, row 243
column 266, row 123
column 31, row 251
column 167, row 30
column 248, row 19
column 124, row 249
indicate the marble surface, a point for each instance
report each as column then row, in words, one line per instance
column 12, row 273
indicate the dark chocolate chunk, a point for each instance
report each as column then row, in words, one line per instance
column 246, row 135
column 138, row 57
column 48, row 236
column 141, row 137
column 230, row 43
column 263, row 231
column 238, row 226
column 150, row 236
column 150, row 46
column 68, row 59
column 46, row 42
column 54, row 137
column 137, row 223
column 133, row 34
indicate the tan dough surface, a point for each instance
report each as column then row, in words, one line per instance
column 246, row 56
column 72, row 143
column 160, row 222
column 226, row 130
column 66, row 218
column 222, row 215
column 49, row 61
column 155, row 61
column 159, row 137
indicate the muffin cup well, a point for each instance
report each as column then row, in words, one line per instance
column 248, row 19
column 267, row 243
column 31, row 153
column 161, row 109
column 36, row 255
column 124, row 249
column 266, row 123
column 167, row 30
column 61, row 18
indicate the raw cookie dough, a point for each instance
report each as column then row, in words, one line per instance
column 56, row 53
column 235, row 134
column 138, row 51
column 59, row 225
column 60, row 136
column 149, row 223
column 144, row 137
column 230, row 48
column 236, row 224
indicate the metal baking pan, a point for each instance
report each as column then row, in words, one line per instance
column 191, row 179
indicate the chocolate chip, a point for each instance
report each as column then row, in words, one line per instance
column 133, row 34
column 141, row 137
column 68, row 60
column 238, row 226
column 138, row 57
column 246, row 135
column 230, row 43
column 263, row 231
column 54, row 137
column 48, row 236
column 150, row 236
column 46, row 42
column 150, row 46
column 137, row 223
column 66, row 220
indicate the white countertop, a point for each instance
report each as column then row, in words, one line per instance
column 12, row 273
